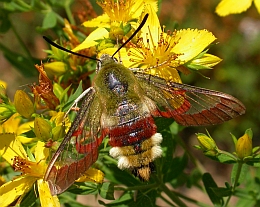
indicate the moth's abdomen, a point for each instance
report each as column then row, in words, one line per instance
column 136, row 145
column 132, row 132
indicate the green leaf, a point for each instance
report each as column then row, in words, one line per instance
column 30, row 155
column 71, row 100
column 223, row 158
column 174, row 168
column 123, row 201
column 127, row 28
column 29, row 199
column 209, row 183
column 77, row 93
column 84, row 188
column 50, row 20
column 107, row 191
column 28, row 134
column 234, row 139
column 144, row 198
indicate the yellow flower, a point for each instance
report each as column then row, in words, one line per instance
column 226, row 7
column 32, row 170
column 119, row 18
column 13, row 125
column 162, row 54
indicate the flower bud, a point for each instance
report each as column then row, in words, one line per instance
column 244, row 145
column 55, row 68
column 23, row 104
column 58, row 132
column 207, row 144
column 42, row 129
column 205, row 61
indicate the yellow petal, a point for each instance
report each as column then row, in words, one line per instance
column 226, row 7
column 11, row 147
column 41, row 152
column 167, row 73
column 57, row 117
column 100, row 21
column 98, row 34
column 10, row 191
column 257, row 4
column 138, row 7
column 25, row 127
column 11, row 125
column 191, row 43
column 152, row 27
column 123, row 55
column 46, row 199
column 93, row 175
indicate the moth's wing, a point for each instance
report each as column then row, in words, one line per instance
column 79, row 149
column 189, row 105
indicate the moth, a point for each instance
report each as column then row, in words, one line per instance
column 122, row 104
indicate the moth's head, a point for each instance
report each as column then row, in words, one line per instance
column 104, row 60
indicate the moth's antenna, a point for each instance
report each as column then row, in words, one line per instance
column 131, row 37
column 66, row 50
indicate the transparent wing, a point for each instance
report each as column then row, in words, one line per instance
column 79, row 149
column 189, row 105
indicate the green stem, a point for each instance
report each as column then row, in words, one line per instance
column 192, row 200
column 69, row 14
column 238, row 172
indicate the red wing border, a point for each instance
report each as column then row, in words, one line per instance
column 189, row 105
column 79, row 149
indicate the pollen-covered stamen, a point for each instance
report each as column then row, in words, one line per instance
column 117, row 10
column 27, row 167
column 155, row 56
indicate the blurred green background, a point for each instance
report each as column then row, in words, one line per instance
column 238, row 44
